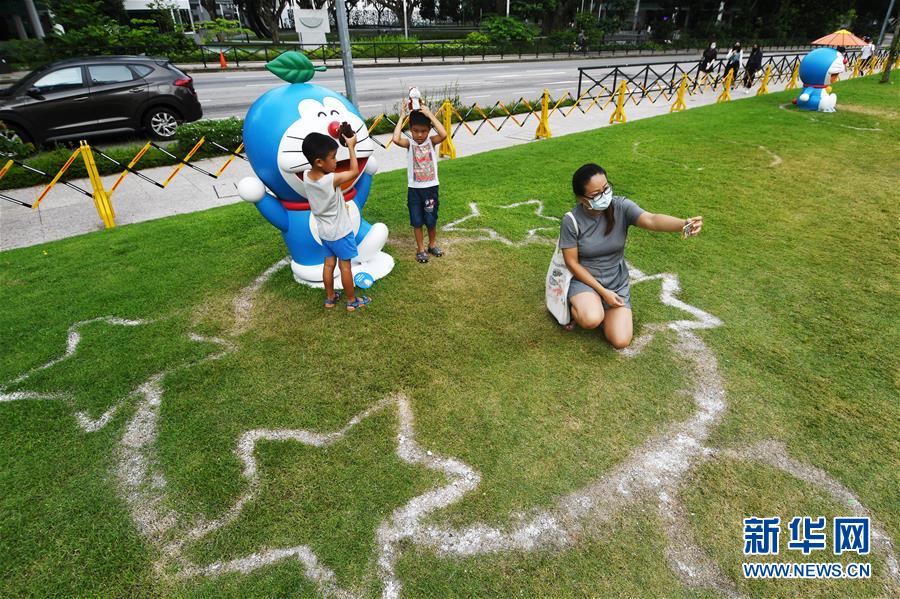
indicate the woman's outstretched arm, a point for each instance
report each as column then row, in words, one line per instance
column 668, row 224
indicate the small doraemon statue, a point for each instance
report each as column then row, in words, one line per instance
column 818, row 70
column 274, row 129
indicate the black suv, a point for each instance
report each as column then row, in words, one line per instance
column 72, row 98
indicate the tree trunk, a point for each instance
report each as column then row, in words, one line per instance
column 895, row 48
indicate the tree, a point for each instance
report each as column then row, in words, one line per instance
column 77, row 14
column 396, row 7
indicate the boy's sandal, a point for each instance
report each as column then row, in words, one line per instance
column 435, row 251
column 329, row 303
column 569, row 327
column 359, row 302
column 422, row 257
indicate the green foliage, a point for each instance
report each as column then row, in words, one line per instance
column 220, row 29
column 79, row 14
column 508, row 29
column 12, row 147
column 105, row 36
column 478, row 37
column 226, row 132
column 23, row 54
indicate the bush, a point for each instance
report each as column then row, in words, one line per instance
column 25, row 53
column 508, row 29
column 12, row 148
column 478, row 37
column 108, row 37
column 226, row 132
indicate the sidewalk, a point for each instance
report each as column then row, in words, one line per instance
column 65, row 213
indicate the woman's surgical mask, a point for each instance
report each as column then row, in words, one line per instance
column 602, row 200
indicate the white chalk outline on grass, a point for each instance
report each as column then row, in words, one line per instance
column 658, row 469
column 489, row 234
column 636, row 152
column 812, row 118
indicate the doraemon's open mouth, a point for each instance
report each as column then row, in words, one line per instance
column 343, row 166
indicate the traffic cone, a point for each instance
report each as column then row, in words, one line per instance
column 222, row 62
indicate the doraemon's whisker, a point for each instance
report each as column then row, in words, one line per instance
column 299, row 165
column 295, row 137
column 289, row 151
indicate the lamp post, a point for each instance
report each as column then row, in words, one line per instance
column 346, row 54
column 405, row 27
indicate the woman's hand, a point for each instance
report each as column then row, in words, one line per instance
column 612, row 299
column 696, row 223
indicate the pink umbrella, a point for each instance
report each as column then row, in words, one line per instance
column 839, row 38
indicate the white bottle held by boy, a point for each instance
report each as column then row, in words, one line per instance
column 415, row 97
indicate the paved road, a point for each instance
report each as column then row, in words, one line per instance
column 379, row 89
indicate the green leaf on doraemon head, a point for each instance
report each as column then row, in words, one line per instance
column 293, row 67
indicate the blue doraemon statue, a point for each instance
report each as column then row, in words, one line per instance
column 274, row 129
column 818, row 70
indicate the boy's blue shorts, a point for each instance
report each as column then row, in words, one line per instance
column 423, row 206
column 344, row 248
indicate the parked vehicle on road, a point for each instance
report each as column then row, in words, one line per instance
column 81, row 97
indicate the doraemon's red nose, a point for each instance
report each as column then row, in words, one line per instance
column 334, row 129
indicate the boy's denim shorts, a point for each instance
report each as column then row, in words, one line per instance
column 344, row 248
column 423, row 206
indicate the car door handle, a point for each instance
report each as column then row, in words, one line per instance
column 136, row 90
column 81, row 99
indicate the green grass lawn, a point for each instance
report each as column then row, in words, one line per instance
column 798, row 257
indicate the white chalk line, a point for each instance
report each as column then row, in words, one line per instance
column 488, row 234
column 73, row 340
column 243, row 302
column 812, row 118
column 656, row 468
column 775, row 454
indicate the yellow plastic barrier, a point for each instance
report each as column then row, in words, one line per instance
column 101, row 198
column 543, row 129
column 679, row 99
column 764, row 84
column 618, row 116
column 447, row 149
column 795, row 74
column 725, row 96
column 55, row 179
column 184, row 161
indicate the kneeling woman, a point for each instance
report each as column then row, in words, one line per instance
column 595, row 252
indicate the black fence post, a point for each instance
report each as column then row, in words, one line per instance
column 266, row 53
column 580, row 75
column 442, row 51
column 234, row 53
column 375, row 52
column 421, row 52
column 398, row 53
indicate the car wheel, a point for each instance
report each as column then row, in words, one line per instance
column 13, row 133
column 161, row 123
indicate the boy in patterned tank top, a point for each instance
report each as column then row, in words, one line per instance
column 421, row 174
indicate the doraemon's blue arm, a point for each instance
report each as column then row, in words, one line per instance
column 252, row 190
column 274, row 212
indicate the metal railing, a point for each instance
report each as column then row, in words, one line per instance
column 601, row 82
column 397, row 51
